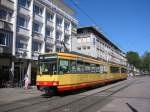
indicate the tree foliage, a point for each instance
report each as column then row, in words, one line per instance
column 134, row 59
column 142, row 63
column 146, row 61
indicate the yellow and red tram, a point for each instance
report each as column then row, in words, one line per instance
column 70, row 71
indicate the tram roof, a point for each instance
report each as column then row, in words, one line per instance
column 76, row 54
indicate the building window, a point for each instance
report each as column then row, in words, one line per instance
column 66, row 39
column 66, row 26
column 24, row 3
column 38, row 10
column 36, row 46
column 84, row 47
column 21, row 21
column 5, row 14
column 49, row 17
column 36, row 27
column 21, row 44
column 88, row 39
column 58, row 36
column 49, row 32
column 58, row 21
column 2, row 39
column 79, row 40
column 78, row 48
column 5, row 39
column 93, row 41
column 88, row 47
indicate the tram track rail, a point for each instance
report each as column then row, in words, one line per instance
column 105, row 97
column 24, row 103
column 71, row 104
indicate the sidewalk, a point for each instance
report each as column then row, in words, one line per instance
column 8, row 95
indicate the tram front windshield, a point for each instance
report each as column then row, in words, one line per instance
column 48, row 65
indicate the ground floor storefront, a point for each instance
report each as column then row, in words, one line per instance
column 5, row 62
column 14, row 76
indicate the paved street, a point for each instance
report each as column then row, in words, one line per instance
column 132, row 95
column 9, row 95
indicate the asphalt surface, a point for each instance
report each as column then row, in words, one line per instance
column 132, row 95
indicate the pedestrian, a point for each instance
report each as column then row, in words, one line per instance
column 26, row 81
column 11, row 75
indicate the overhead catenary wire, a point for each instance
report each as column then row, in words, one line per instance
column 83, row 11
column 94, row 22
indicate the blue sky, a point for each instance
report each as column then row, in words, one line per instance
column 124, row 22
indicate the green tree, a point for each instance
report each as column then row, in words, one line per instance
column 146, row 61
column 134, row 59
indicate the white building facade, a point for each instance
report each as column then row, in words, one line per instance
column 92, row 42
column 29, row 28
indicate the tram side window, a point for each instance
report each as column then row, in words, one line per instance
column 93, row 68
column 123, row 70
column 72, row 66
column 105, row 69
column 87, row 68
column 97, row 68
column 101, row 68
column 80, row 66
column 63, row 66
column 48, row 68
column 114, row 69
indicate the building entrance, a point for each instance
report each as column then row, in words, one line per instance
column 4, row 71
column 19, row 72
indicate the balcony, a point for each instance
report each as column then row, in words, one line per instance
column 38, row 18
column 49, row 40
column 7, row 3
column 67, row 32
column 48, row 48
column 23, row 31
column 58, row 43
column 22, row 53
column 38, row 36
column 23, row 10
column 49, row 23
column 6, row 18
column 35, row 55
column 59, row 28
column 5, row 49
column 6, row 26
